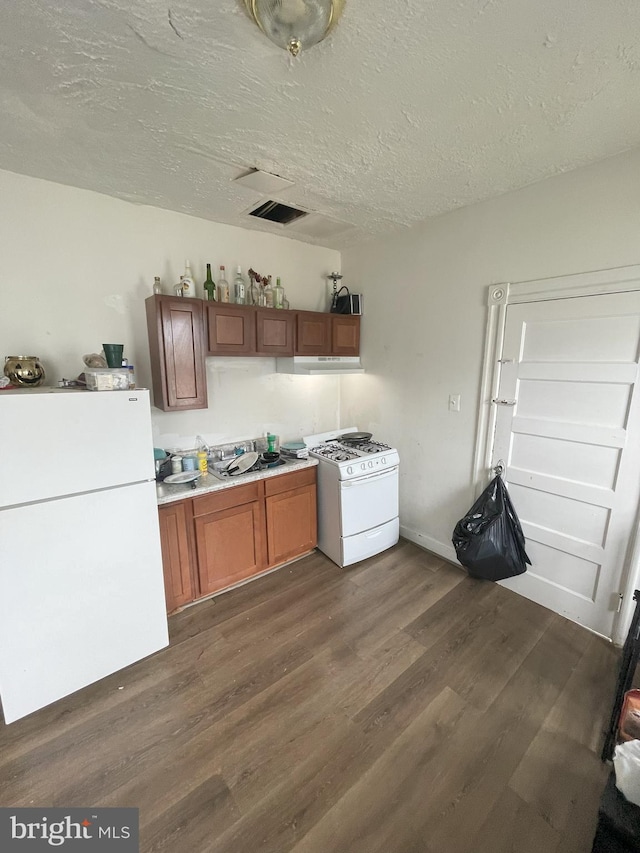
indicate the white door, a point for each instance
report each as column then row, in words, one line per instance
column 568, row 428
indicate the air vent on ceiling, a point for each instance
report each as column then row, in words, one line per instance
column 274, row 211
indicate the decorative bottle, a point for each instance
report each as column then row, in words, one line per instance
column 252, row 293
column 187, row 285
column 188, row 282
column 178, row 289
column 239, row 289
column 209, row 286
column 157, row 284
column 223, row 286
column 278, row 295
column 268, row 294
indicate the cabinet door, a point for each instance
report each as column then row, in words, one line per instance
column 230, row 546
column 291, row 524
column 313, row 333
column 274, row 331
column 176, row 562
column 231, row 329
column 175, row 328
column 345, row 334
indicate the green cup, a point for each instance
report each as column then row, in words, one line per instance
column 113, row 354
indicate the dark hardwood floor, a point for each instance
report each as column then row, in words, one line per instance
column 394, row 707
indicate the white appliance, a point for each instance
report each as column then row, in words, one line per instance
column 81, row 585
column 357, row 496
column 320, row 365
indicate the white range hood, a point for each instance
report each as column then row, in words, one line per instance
column 320, row 365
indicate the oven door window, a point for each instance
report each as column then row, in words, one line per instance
column 368, row 501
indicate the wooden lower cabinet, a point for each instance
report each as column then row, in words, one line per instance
column 291, row 515
column 213, row 541
column 230, row 546
column 176, row 556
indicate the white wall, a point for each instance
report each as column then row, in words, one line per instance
column 77, row 266
column 425, row 294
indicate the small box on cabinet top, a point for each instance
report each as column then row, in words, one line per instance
column 107, row 378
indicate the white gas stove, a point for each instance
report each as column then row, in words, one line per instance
column 357, row 494
column 353, row 458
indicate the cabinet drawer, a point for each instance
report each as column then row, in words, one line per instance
column 235, row 496
column 285, row 482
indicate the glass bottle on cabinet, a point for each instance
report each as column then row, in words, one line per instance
column 223, row 286
column 239, row 289
column 209, row 286
column 268, row 294
column 278, row 295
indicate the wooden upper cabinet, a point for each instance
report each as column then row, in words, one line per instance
column 313, row 333
column 345, row 334
column 231, row 329
column 176, row 344
column 274, row 331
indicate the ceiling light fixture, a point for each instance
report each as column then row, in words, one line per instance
column 295, row 24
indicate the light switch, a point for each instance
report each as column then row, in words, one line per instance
column 454, row 402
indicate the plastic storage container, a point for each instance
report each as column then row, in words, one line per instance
column 107, row 378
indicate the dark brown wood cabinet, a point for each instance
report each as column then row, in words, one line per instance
column 213, row 541
column 246, row 330
column 319, row 333
column 231, row 329
column 176, row 555
column 313, row 333
column 176, row 344
column 291, row 515
column 274, row 332
column 229, row 534
column 183, row 331
column 345, row 334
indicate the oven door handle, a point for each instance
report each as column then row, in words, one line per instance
column 367, row 478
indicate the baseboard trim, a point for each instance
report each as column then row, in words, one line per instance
column 447, row 552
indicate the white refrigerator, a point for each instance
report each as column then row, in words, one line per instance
column 81, row 585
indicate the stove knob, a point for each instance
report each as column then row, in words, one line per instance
column 383, row 461
column 363, row 466
column 349, row 470
column 370, row 464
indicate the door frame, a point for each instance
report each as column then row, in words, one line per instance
column 500, row 296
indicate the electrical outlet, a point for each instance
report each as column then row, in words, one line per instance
column 454, row 402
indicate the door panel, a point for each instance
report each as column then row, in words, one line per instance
column 571, row 443
column 230, row 546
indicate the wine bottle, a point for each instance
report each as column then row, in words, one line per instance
column 223, row 286
column 209, row 286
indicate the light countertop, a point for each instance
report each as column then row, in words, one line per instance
column 168, row 493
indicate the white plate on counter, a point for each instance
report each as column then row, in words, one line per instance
column 242, row 463
column 182, row 477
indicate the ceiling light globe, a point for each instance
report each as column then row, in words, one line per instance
column 295, row 24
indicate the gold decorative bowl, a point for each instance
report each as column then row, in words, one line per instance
column 25, row 371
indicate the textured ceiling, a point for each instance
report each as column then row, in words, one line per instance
column 409, row 108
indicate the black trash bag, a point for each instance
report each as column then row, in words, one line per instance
column 489, row 541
